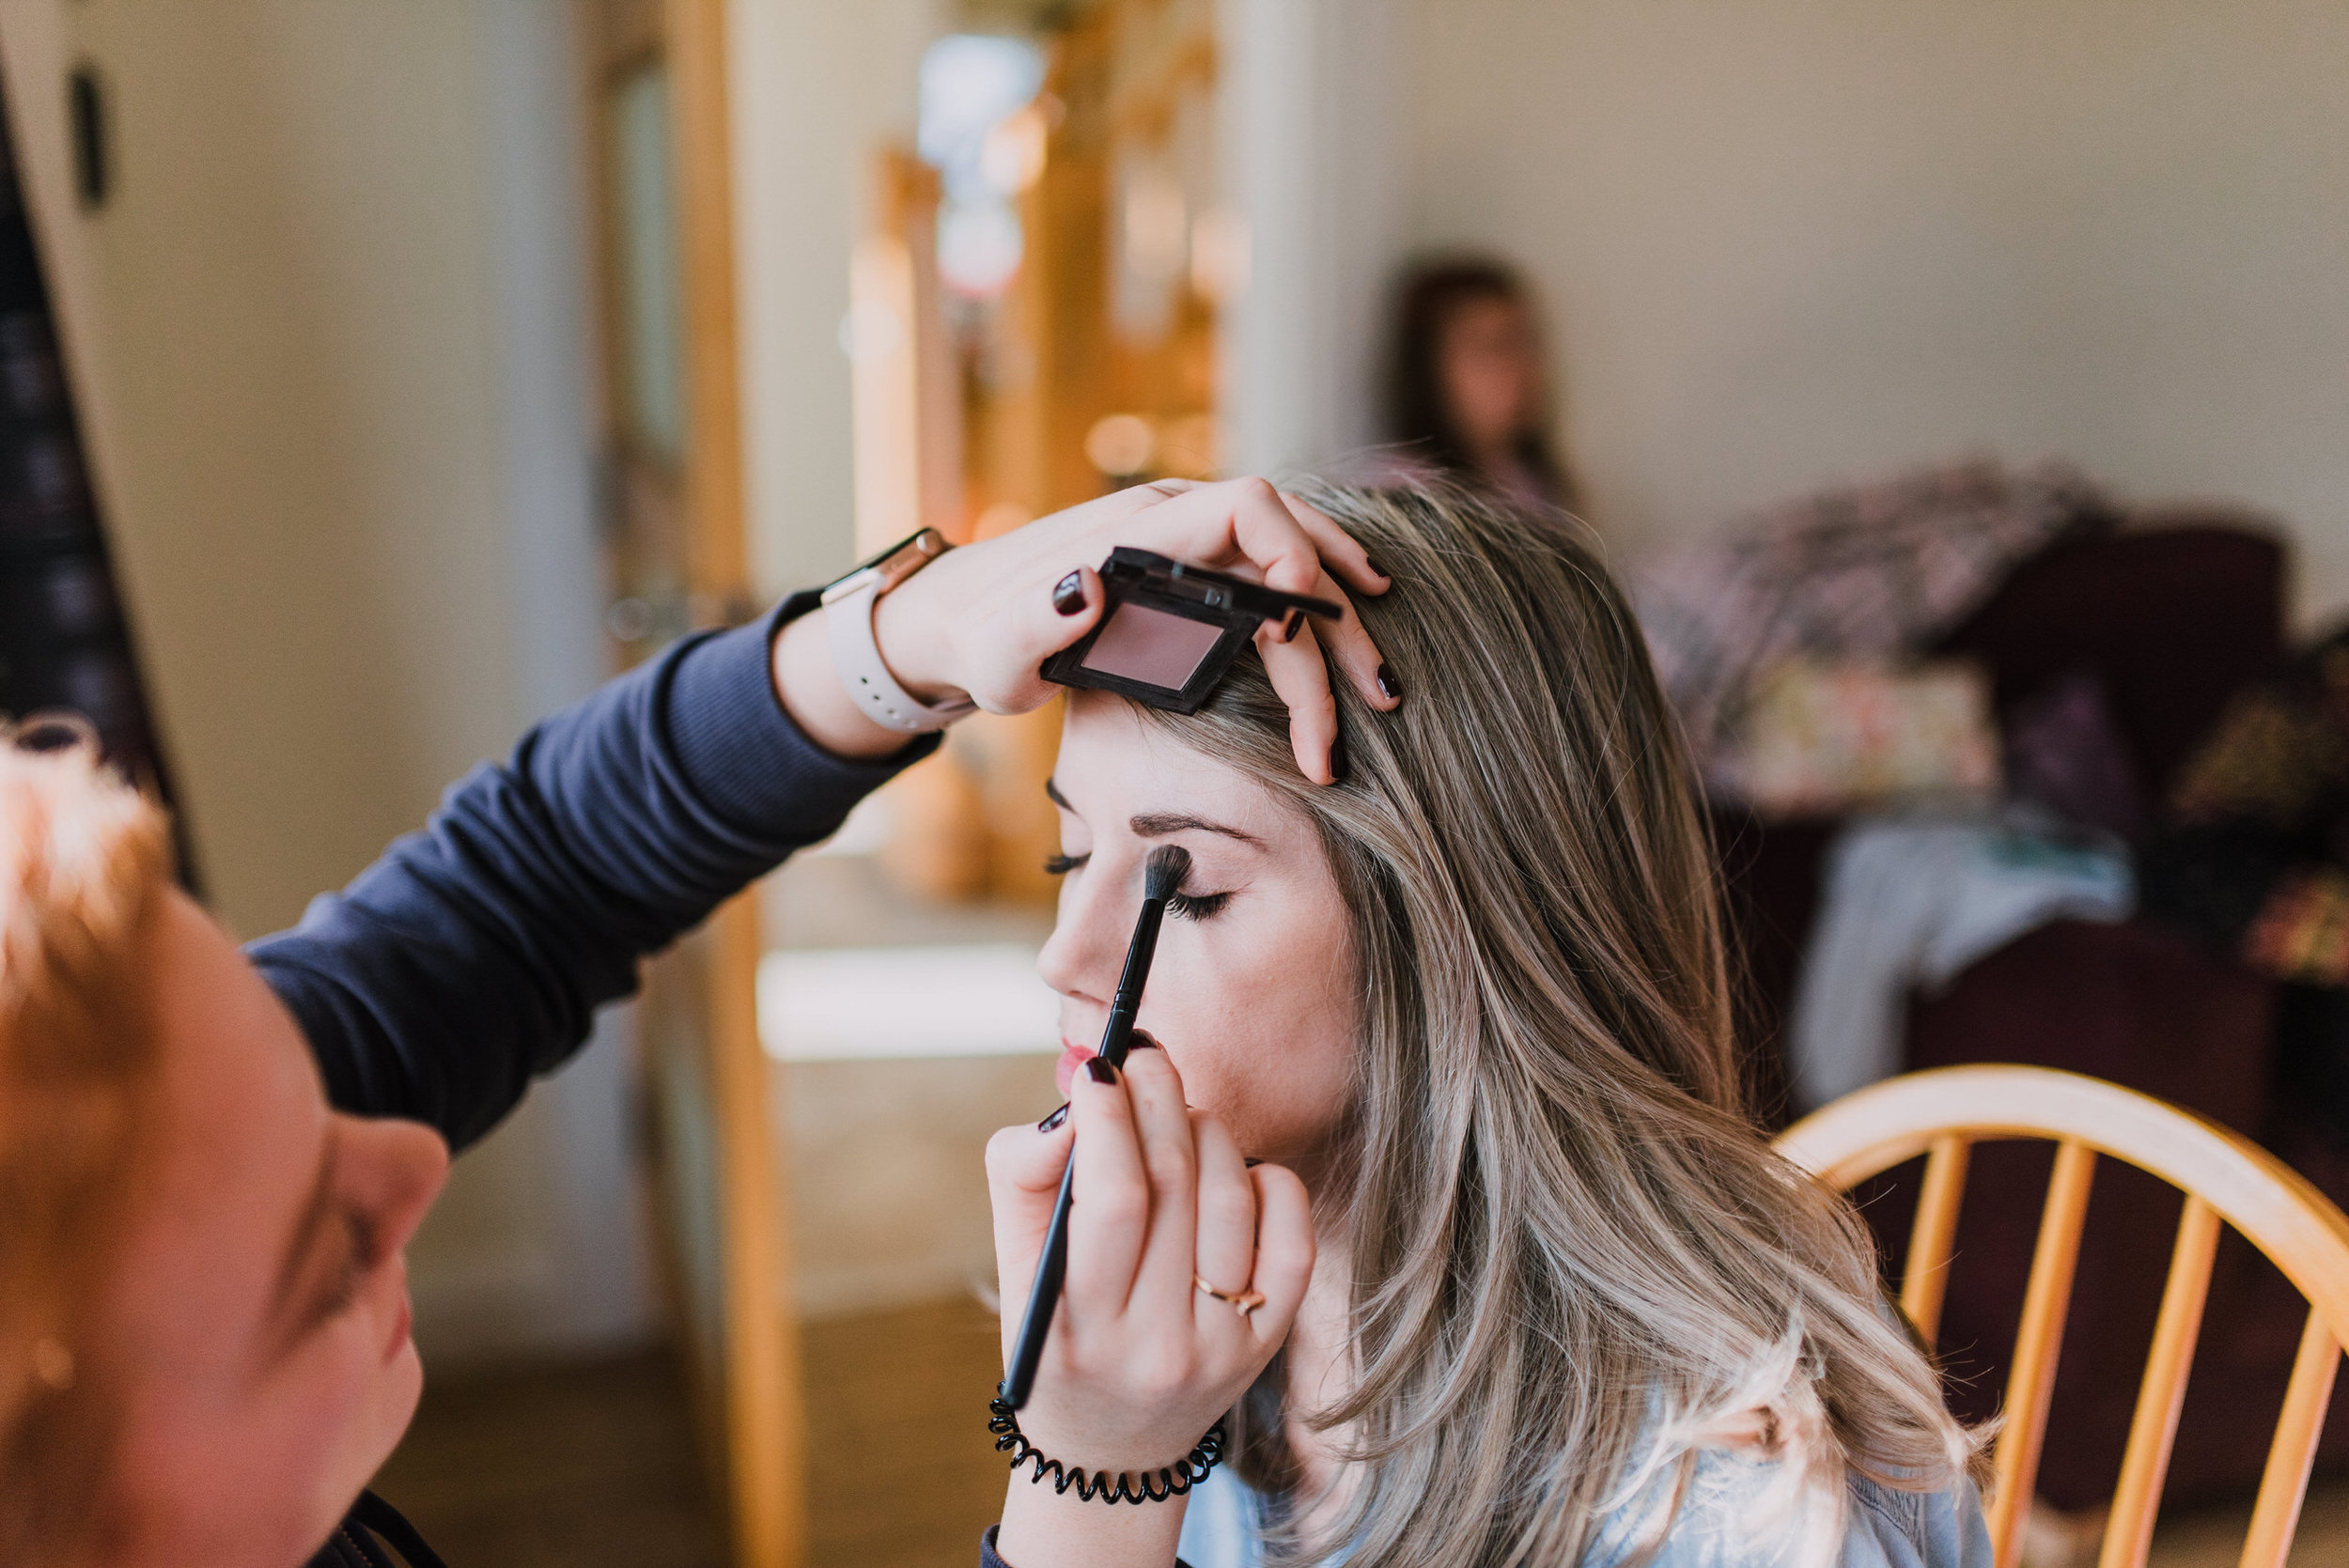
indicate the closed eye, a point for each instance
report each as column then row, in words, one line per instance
column 1198, row 906
column 1060, row 865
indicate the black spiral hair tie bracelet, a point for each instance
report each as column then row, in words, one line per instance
column 1171, row 1481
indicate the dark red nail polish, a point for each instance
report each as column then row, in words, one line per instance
column 1376, row 570
column 1069, row 594
column 1253, row 1162
column 1099, row 1071
column 1337, row 759
column 1389, row 687
column 1142, row 1040
column 1290, row 628
column 1051, row 1123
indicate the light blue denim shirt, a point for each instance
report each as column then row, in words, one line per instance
column 1883, row 1527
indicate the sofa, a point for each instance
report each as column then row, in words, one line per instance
column 2173, row 615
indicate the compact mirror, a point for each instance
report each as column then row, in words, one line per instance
column 1171, row 631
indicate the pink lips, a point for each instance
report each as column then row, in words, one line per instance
column 1072, row 1057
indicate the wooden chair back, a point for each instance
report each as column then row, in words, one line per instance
column 2228, row 1180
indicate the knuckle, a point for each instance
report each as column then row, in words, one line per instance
column 1166, row 1368
column 1225, row 1206
column 1120, row 1206
column 1172, row 1170
column 1003, row 1152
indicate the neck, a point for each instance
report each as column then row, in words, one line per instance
column 1320, row 1370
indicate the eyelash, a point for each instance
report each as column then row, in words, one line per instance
column 1184, row 906
column 1197, row 905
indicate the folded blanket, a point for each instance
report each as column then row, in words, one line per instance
column 1872, row 571
column 1912, row 902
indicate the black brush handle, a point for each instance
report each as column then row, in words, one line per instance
column 1043, row 1298
column 1168, row 867
column 1119, row 1033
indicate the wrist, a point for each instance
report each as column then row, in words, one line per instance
column 1041, row 1530
column 906, row 625
column 808, row 685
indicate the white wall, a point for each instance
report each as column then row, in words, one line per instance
column 1314, row 157
column 329, row 334
column 1785, row 241
column 817, row 86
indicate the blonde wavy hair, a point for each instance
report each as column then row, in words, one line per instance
column 1577, row 1263
column 84, row 862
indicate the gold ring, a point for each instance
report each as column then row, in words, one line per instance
column 1243, row 1303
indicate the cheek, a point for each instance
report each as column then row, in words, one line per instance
column 1263, row 1027
column 263, row 1470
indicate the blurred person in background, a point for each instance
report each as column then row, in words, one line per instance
column 1469, row 396
column 213, row 1159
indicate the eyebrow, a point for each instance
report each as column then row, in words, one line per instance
column 316, row 1210
column 1159, row 824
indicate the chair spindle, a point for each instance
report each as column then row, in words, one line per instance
column 2286, row 1485
column 1926, row 1279
column 2030, row 1382
column 2136, row 1500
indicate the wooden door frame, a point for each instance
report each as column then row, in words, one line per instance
column 765, row 1432
column 763, row 1473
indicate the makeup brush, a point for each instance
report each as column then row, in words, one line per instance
column 1161, row 877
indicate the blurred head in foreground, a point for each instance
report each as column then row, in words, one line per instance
column 204, row 1348
column 1470, row 394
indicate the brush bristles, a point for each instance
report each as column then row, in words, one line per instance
column 1162, row 874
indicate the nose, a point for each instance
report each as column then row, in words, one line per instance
column 394, row 1169
column 1088, row 943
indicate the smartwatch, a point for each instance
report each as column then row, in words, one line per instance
column 856, row 655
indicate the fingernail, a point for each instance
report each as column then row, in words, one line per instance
column 1253, row 1162
column 1290, row 628
column 1053, row 1123
column 1375, row 569
column 1099, row 1071
column 1337, row 759
column 1069, row 594
column 1142, row 1040
column 1389, row 687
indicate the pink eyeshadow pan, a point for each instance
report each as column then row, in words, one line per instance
column 1150, row 645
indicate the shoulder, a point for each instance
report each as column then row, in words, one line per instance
column 1726, row 1496
column 1220, row 1523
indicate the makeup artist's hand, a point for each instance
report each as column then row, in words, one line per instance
column 1139, row 1361
column 982, row 618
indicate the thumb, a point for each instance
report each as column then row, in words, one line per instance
column 1023, row 1172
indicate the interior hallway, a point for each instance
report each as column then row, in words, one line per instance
column 901, row 1472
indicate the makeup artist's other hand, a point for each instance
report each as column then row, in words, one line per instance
column 982, row 619
column 1139, row 1361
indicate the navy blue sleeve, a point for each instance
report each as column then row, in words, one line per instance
column 473, row 954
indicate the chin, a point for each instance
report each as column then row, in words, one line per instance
column 403, row 1387
column 375, row 1432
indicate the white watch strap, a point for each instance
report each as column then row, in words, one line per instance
column 855, row 654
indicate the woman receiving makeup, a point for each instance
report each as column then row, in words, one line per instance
column 211, row 1161
column 1445, row 1081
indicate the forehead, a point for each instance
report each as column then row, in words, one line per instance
column 1114, row 765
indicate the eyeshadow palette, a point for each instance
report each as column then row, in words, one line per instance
column 1171, row 630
